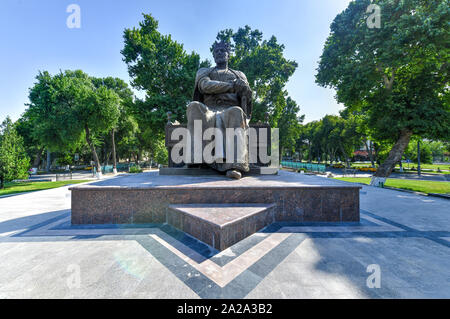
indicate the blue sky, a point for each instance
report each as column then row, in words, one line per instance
column 35, row 37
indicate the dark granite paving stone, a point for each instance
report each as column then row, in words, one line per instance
column 211, row 291
column 363, row 222
column 238, row 249
column 241, row 286
column 388, row 221
column 340, row 265
column 85, row 237
column 42, row 224
column 438, row 240
column 272, row 259
column 194, row 244
column 271, row 228
column 206, row 288
column 173, row 263
column 200, row 283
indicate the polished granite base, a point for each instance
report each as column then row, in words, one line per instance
column 145, row 198
column 221, row 225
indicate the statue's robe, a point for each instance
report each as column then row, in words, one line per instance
column 218, row 108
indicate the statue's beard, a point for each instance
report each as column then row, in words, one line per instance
column 221, row 60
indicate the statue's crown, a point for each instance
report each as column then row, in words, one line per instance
column 222, row 44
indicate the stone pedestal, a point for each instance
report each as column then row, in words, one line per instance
column 145, row 198
column 221, row 225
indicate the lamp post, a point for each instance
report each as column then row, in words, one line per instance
column 48, row 166
column 418, row 158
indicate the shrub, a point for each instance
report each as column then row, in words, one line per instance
column 135, row 169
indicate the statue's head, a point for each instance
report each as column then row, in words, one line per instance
column 221, row 52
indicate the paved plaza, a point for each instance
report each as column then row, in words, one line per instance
column 406, row 237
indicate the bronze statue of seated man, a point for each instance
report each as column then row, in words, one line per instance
column 222, row 100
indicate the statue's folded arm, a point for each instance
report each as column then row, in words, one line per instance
column 208, row 86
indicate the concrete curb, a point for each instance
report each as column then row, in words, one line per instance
column 445, row 196
column 41, row 190
column 418, row 193
column 439, row 195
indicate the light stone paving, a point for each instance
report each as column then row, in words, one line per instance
column 407, row 235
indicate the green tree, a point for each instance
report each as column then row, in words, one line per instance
column 332, row 137
column 426, row 154
column 289, row 125
column 312, row 139
column 45, row 117
column 14, row 162
column 121, row 88
column 162, row 68
column 437, row 149
column 396, row 74
column 33, row 146
column 68, row 108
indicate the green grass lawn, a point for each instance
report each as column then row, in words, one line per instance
column 445, row 169
column 426, row 171
column 23, row 187
column 418, row 186
column 405, row 165
column 427, row 166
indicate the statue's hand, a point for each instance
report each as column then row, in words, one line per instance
column 242, row 87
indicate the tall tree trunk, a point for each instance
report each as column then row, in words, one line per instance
column 2, row 183
column 376, row 153
column 114, row 156
column 310, row 153
column 369, row 151
column 37, row 159
column 48, row 164
column 94, row 152
column 395, row 155
column 107, row 158
column 347, row 162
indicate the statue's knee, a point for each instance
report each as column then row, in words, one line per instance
column 193, row 106
column 234, row 113
column 194, row 109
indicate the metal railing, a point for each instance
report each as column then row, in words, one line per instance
column 120, row 167
column 64, row 176
column 320, row 168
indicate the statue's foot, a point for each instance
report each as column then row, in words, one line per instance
column 234, row 174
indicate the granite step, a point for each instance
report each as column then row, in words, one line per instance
column 221, row 225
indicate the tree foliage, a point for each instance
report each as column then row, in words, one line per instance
column 396, row 74
column 330, row 139
column 290, row 127
column 266, row 68
column 68, row 107
column 162, row 68
column 14, row 162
